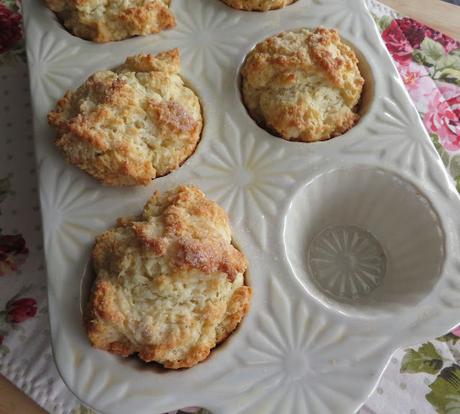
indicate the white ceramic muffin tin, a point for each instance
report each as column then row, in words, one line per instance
column 352, row 243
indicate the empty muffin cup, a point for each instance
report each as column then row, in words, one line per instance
column 364, row 241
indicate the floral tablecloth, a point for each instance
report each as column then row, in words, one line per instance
column 423, row 379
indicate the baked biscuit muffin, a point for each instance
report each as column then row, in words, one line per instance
column 132, row 124
column 169, row 283
column 104, row 21
column 303, row 85
column 258, row 5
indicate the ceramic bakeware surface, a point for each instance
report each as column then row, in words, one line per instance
column 352, row 243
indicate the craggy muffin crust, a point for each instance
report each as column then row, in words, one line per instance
column 169, row 285
column 258, row 5
column 303, row 85
column 130, row 125
column 104, row 21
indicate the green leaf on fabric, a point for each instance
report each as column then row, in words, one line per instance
column 3, row 321
column 432, row 49
column 449, row 75
column 11, row 4
column 455, row 166
column 445, row 391
column 422, row 59
column 426, row 359
column 457, row 183
column 14, row 56
column 449, row 338
column 449, row 61
column 81, row 409
column 454, row 170
column 447, row 69
column 429, row 53
column 441, row 151
column 382, row 22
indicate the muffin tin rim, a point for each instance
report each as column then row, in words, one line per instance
column 447, row 195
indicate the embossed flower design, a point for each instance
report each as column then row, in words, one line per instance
column 248, row 176
column 74, row 212
column 209, row 39
column 346, row 261
column 335, row 14
column 298, row 360
column 51, row 72
column 395, row 138
column 52, row 75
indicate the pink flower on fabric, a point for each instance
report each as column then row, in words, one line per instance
column 416, row 32
column 416, row 79
column 442, row 120
column 454, row 103
column 21, row 309
column 456, row 331
column 449, row 90
column 451, row 94
column 10, row 28
column 397, row 44
column 418, row 83
column 410, row 78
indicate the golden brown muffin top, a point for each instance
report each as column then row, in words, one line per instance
column 258, row 5
column 170, row 284
column 132, row 124
column 303, row 85
column 104, row 21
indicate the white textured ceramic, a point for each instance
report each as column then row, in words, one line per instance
column 352, row 243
